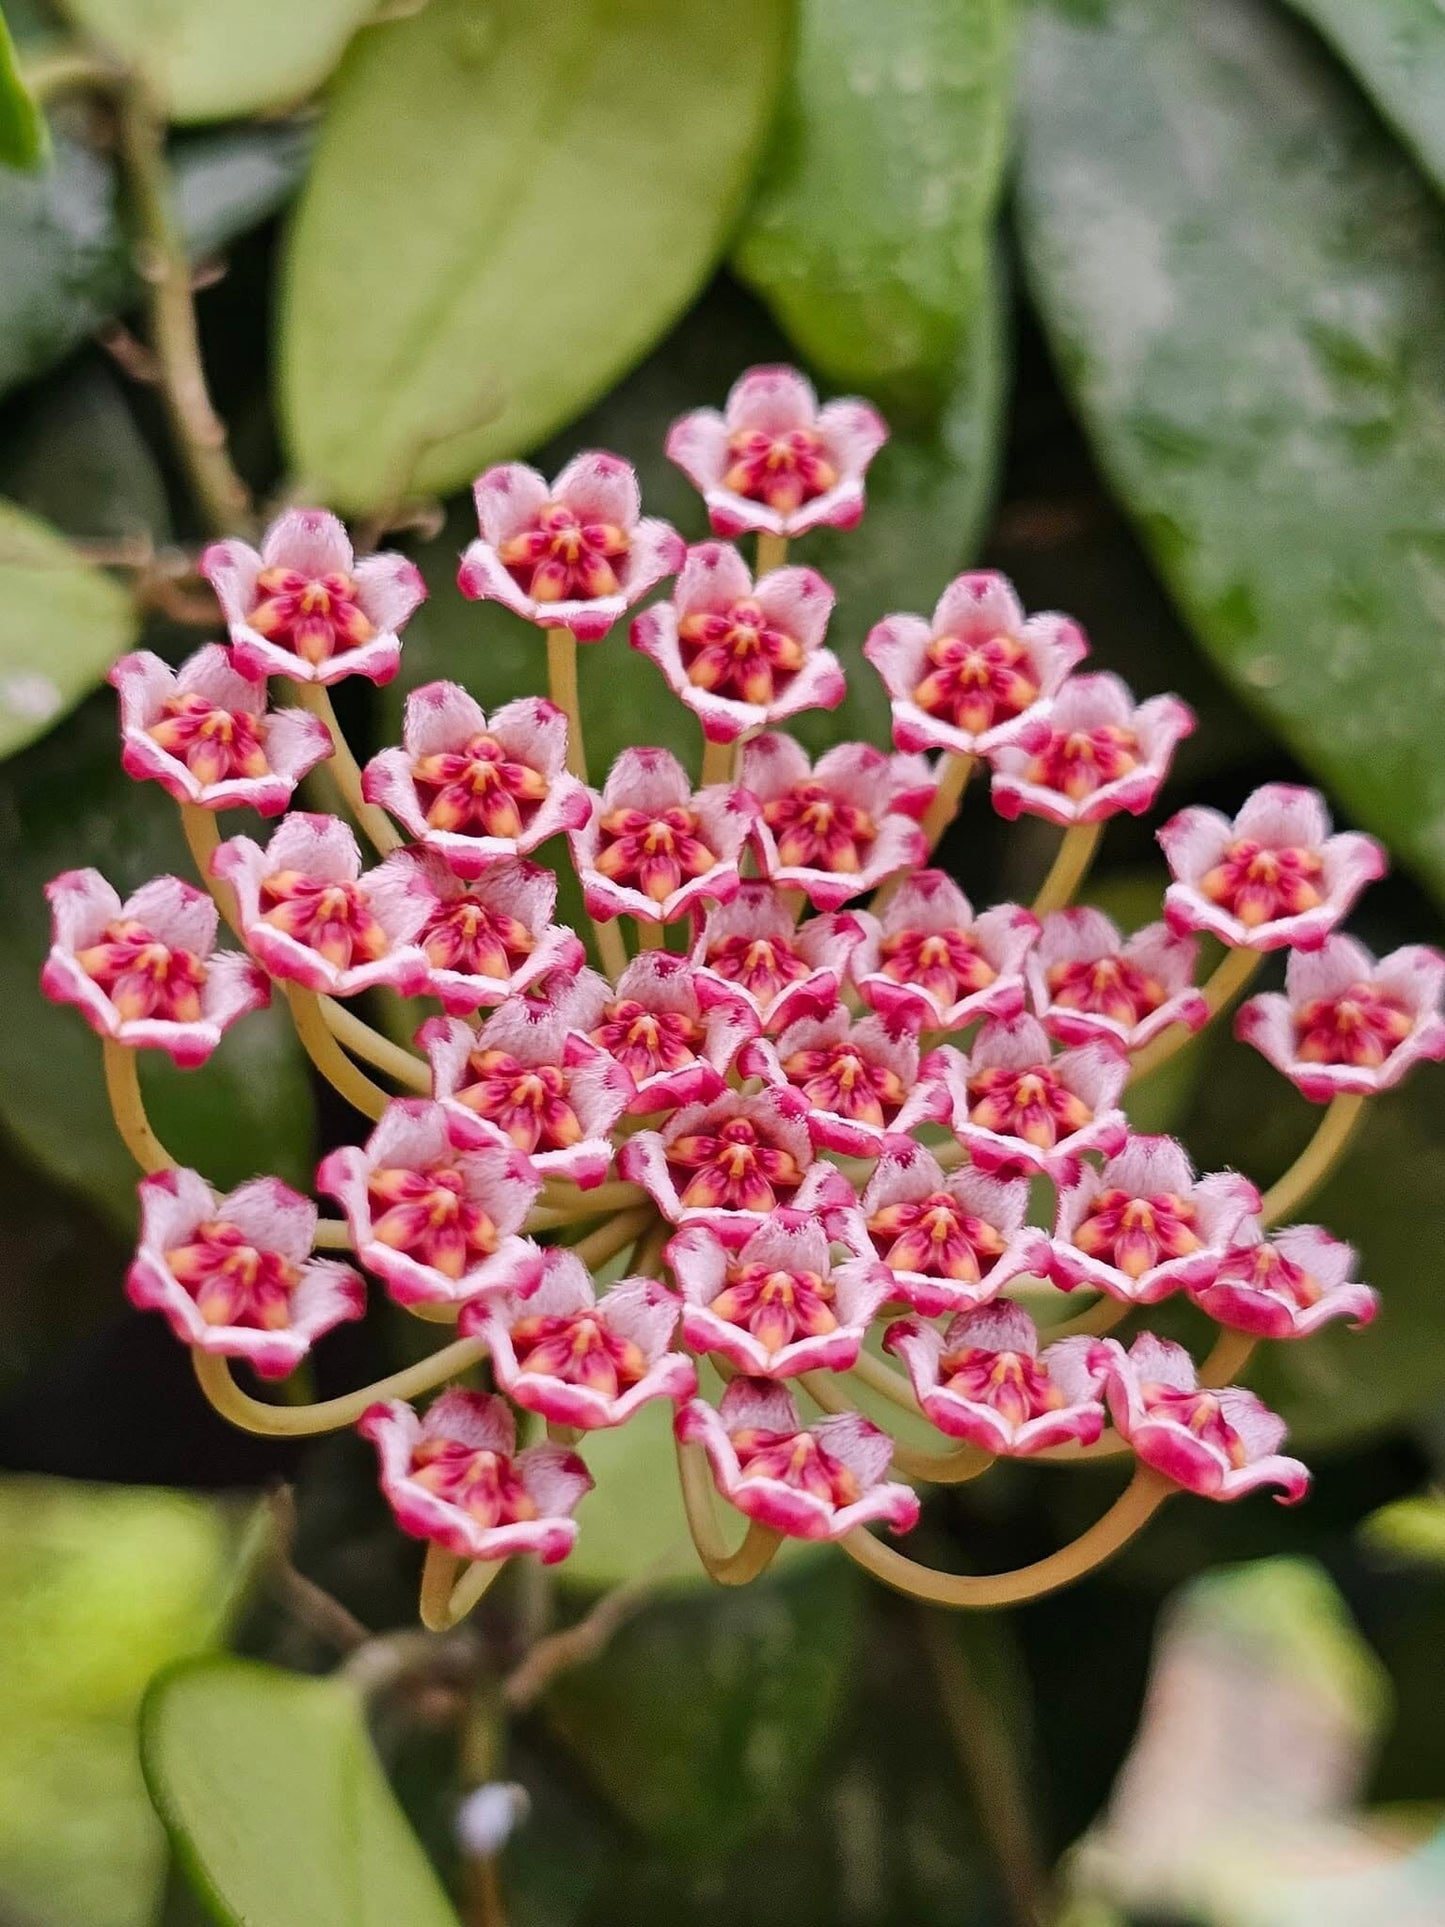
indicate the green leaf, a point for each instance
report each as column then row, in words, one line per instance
column 1396, row 50
column 62, row 623
column 869, row 237
column 704, row 1717
column 1245, row 284
column 24, row 141
column 579, row 172
column 1412, row 1529
column 68, row 267
column 66, row 803
column 218, row 59
column 99, row 1585
column 73, row 455
column 276, row 1803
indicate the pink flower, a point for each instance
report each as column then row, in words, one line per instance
column 933, row 964
column 1347, row 1023
column 305, row 608
column 952, row 1243
column 774, row 460
column 484, row 941
column 1145, row 1226
column 1087, row 981
column 313, row 919
column 779, row 1305
column 1287, row 1285
column 860, row 1080
column 741, row 657
column 980, row 676
column 731, row 1163
column 234, row 1275
column 814, row 1482
column 984, row 1380
column 475, row 790
column 834, row 830
column 654, row 1027
column 146, row 972
column 1104, row 753
column 579, row 1359
column 456, row 1476
column 1219, row 1444
column 652, row 849
column 437, row 1224
column 523, row 1080
column 203, row 732
column 570, row 556
column 1273, row 877
column 755, row 950
column 1021, row 1110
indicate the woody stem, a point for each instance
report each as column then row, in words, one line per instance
column 445, row 1599
column 1316, row 1161
column 330, row 1414
column 1138, row 1503
column 562, row 686
column 1219, row 989
column 122, row 1087
column 759, row 1546
column 346, row 772
column 328, row 1056
column 1070, row 867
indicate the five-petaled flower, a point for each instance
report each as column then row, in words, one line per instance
column 204, row 733
column 742, row 656
column 773, row 460
column 456, row 1477
column 303, row 607
column 579, row 1359
column 573, row 554
column 1088, row 981
column 146, row 972
column 929, row 961
column 1144, row 1226
column 985, row 1380
column 980, row 676
column 234, row 1275
column 485, row 940
column 780, row 1304
column 311, row 918
column 755, row 950
column 862, row 1080
column 653, row 1025
column 1104, row 753
column 1220, row 1444
column 475, row 789
column 833, row 829
column 437, row 1224
column 1019, row 1109
column 525, row 1079
column 1348, row 1023
column 653, row 849
column 1286, row 1284
column 1273, row 877
column 952, row 1242
column 809, row 1482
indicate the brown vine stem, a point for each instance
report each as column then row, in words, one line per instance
column 1138, row 1503
column 760, row 1543
column 198, row 431
column 330, row 1414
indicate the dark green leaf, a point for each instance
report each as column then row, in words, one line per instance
column 214, row 59
column 869, row 237
column 1396, row 49
column 1245, row 284
column 24, row 142
column 67, row 265
column 66, row 803
column 71, row 453
column 580, row 170
column 276, row 1804
column 704, row 1717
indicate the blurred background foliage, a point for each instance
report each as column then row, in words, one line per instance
column 1153, row 292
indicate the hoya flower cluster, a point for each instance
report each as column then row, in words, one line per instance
column 805, row 1112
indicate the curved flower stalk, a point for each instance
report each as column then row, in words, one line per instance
column 825, row 1086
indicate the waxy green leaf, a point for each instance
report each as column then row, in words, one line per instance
column 276, row 1803
column 68, row 268
column 451, row 300
column 1245, row 284
column 24, row 141
column 1396, row 50
column 215, row 59
column 869, row 237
